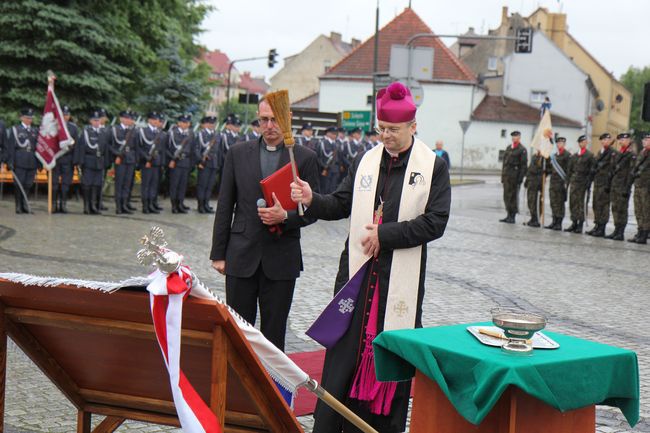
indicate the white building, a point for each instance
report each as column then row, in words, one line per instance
column 548, row 72
column 448, row 96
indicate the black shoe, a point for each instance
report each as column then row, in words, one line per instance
column 182, row 205
column 128, row 206
column 207, row 207
column 152, row 208
column 85, row 190
column 599, row 231
column 643, row 237
column 199, row 207
column 506, row 219
column 174, row 207
column 572, row 227
column 533, row 222
column 119, row 209
column 145, row 206
column 636, row 237
column 155, row 205
column 578, row 228
column 551, row 226
column 558, row 224
column 593, row 230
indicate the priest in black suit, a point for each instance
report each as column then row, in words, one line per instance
column 259, row 249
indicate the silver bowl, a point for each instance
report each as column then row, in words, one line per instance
column 518, row 327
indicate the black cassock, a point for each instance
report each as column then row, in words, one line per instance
column 342, row 360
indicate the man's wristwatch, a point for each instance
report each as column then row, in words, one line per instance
column 286, row 217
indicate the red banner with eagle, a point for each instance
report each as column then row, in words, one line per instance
column 53, row 136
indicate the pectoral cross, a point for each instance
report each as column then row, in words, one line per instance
column 379, row 213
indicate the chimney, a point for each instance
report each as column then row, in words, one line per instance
column 335, row 37
column 504, row 14
column 355, row 42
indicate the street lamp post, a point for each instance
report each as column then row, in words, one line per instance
column 230, row 72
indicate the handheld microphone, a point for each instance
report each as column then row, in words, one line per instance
column 261, row 203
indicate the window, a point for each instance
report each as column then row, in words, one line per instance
column 327, row 64
column 537, row 96
column 503, row 133
column 492, row 64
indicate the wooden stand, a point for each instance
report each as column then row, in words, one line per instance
column 100, row 350
column 515, row 412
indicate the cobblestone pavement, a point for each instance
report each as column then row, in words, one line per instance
column 590, row 288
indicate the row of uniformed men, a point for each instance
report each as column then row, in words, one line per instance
column 125, row 147
column 612, row 172
column 335, row 151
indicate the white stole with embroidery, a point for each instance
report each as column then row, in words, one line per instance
column 405, row 268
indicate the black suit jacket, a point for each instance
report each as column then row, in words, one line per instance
column 244, row 241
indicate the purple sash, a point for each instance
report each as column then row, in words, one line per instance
column 335, row 319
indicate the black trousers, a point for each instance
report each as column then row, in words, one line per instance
column 123, row 180
column 65, row 171
column 275, row 297
column 206, row 180
column 150, row 181
column 178, row 182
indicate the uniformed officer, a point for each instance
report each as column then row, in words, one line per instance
column 350, row 149
column 151, row 149
column 533, row 185
column 103, row 120
column 3, row 139
column 253, row 133
column 123, row 142
column 341, row 141
column 580, row 167
column 621, row 185
column 306, row 137
column 21, row 156
column 229, row 137
column 207, row 144
column 515, row 161
column 64, row 168
column 91, row 152
column 602, row 178
column 371, row 139
column 641, row 176
column 558, row 166
column 327, row 161
column 179, row 155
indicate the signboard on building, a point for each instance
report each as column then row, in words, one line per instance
column 356, row 119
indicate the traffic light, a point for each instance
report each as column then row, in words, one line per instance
column 524, row 42
column 645, row 110
column 272, row 54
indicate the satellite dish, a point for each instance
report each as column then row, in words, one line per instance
column 600, row 105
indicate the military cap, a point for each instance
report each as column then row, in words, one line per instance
column 306, row 127
column 231, row 118
column 645, row 135
column 582, row 138
column 562, row 139
column 127, row 114
column 154, row 115
column 27, row 112
column 623, row 135
column 331, row 129
column 354, row 131
column 604, row 136
column 65, row 109
column 371, row 132
column 103, row 112
column 237, row 122
column 95, row 114
column 515, row 134
column 341, row 129
column 184, row 118
column 209, row 119
column 255, row 123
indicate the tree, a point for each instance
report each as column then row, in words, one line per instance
column 48, row 36
column 101, row 51
column 178, row 86
column 634, row 80
column 246, row 112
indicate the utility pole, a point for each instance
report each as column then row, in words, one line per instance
column 375, row 67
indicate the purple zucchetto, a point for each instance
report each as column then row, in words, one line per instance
column 395, row 104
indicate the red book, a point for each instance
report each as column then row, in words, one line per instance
column 280, row 184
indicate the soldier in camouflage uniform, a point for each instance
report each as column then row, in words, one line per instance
column 558, row 166
column 580, row 167
column 602, row 178
column 515, row 161
column 621, row 184
column 533, row 185
column 641, row 176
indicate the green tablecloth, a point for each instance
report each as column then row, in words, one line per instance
column 473, row 376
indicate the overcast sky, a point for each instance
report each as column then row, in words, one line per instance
column 615, row 32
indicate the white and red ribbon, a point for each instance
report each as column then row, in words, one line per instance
column 167, row 293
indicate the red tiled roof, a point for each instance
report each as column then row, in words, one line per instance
column 497, row 109
column 253, row 84
column 360, row 61
column 217, row 60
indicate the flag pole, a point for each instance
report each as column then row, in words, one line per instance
column 50, row 82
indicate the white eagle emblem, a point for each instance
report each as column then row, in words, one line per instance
column 49, row 127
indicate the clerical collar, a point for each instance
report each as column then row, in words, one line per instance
column 270, row 148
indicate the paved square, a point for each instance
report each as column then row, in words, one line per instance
column 590, row 288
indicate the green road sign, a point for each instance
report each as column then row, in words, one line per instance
column 356, row 119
